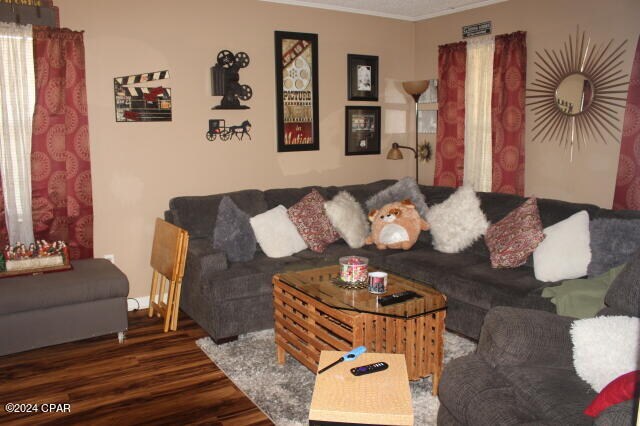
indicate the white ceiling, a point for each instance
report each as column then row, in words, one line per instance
column 410, row 10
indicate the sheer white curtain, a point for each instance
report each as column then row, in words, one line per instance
column 17, row 102
column 477, row 132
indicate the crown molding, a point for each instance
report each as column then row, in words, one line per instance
column 382, row 14
column 457, row 9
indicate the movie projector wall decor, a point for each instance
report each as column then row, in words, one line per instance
column 225, row 80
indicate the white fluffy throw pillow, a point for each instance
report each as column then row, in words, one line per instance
column 347, row 216
column 276, row 234
column 565, row 252
column 604, row 348
column 457, row 222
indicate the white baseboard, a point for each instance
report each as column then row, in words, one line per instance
column 143, row 303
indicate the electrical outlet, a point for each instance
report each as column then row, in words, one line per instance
column 110, row 257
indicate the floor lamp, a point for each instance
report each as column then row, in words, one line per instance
column 415, row 89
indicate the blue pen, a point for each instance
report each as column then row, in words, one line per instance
column 350, row 356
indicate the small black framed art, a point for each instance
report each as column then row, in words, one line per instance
column 362, row 71
column 362, row 130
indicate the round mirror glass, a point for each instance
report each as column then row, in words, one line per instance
column 574, row 94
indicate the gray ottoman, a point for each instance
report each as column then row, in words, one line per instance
column 41, row 310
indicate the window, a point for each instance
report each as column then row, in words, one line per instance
column 17, row 101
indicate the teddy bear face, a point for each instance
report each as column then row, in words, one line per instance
column 391, row 215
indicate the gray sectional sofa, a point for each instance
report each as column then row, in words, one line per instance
column 228, row 298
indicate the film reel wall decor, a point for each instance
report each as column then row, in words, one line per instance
column 577, row 92
column 225, row 80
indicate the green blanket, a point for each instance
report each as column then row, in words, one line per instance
column 581, row 298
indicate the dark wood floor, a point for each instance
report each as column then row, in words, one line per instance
column 153, row 378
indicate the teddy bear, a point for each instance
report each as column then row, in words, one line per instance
column 396, row 225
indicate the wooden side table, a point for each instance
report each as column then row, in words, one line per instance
column 381, row 398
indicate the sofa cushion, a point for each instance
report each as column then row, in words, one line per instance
column 436, row 194
column 556, row 395
column 289, row 196
column 245, row 279
column 405, row 188
column 512, row 240
column 312, row 222
column 553, row 211
column 484, row 286
column 427, row 265
column 339, row 249
column 496, row 206
column 457, row 222
column 363, row 192
column 276, row 234
column 232, row 232
column 624, row 294
column 197, row 214
column 471, row 390
column 613, row 242
column 89, row 280
column 469, row 278
column 564, row 253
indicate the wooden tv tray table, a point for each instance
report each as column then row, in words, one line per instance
column 381, row 398
column 313, row 314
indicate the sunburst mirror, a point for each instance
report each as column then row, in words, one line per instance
column 576, row 92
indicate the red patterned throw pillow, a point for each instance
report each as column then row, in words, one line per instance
column 312, row 222
column 512, row 240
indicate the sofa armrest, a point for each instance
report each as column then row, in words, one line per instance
column 514, row 336
column 203, row 259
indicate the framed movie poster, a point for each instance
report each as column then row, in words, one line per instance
column 362, row 130
column 297, row 91
column 362, row 71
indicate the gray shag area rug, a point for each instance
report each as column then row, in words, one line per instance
column 284, row 392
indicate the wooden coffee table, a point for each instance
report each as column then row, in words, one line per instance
column 313, row 314
column 381, row 398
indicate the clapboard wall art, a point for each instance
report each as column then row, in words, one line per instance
column 136, row 100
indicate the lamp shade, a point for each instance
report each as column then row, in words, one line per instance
column 394, row 153
column 417, row 87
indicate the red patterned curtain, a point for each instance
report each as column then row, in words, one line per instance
column 452, row 64
column 507, row 112
column 4, row 232
column 60, row 163
column 627, row 195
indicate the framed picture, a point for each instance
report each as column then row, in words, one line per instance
column 362, row 71
column 362, row 130
column 297, row 91
column 430, row 96
column 427, row 121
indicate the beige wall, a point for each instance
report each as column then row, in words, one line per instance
column 138, row 167
column 590, row 177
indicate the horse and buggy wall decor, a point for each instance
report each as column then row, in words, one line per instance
column 218, row 128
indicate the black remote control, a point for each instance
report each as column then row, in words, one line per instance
column 368, row 369
column 397, row 297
